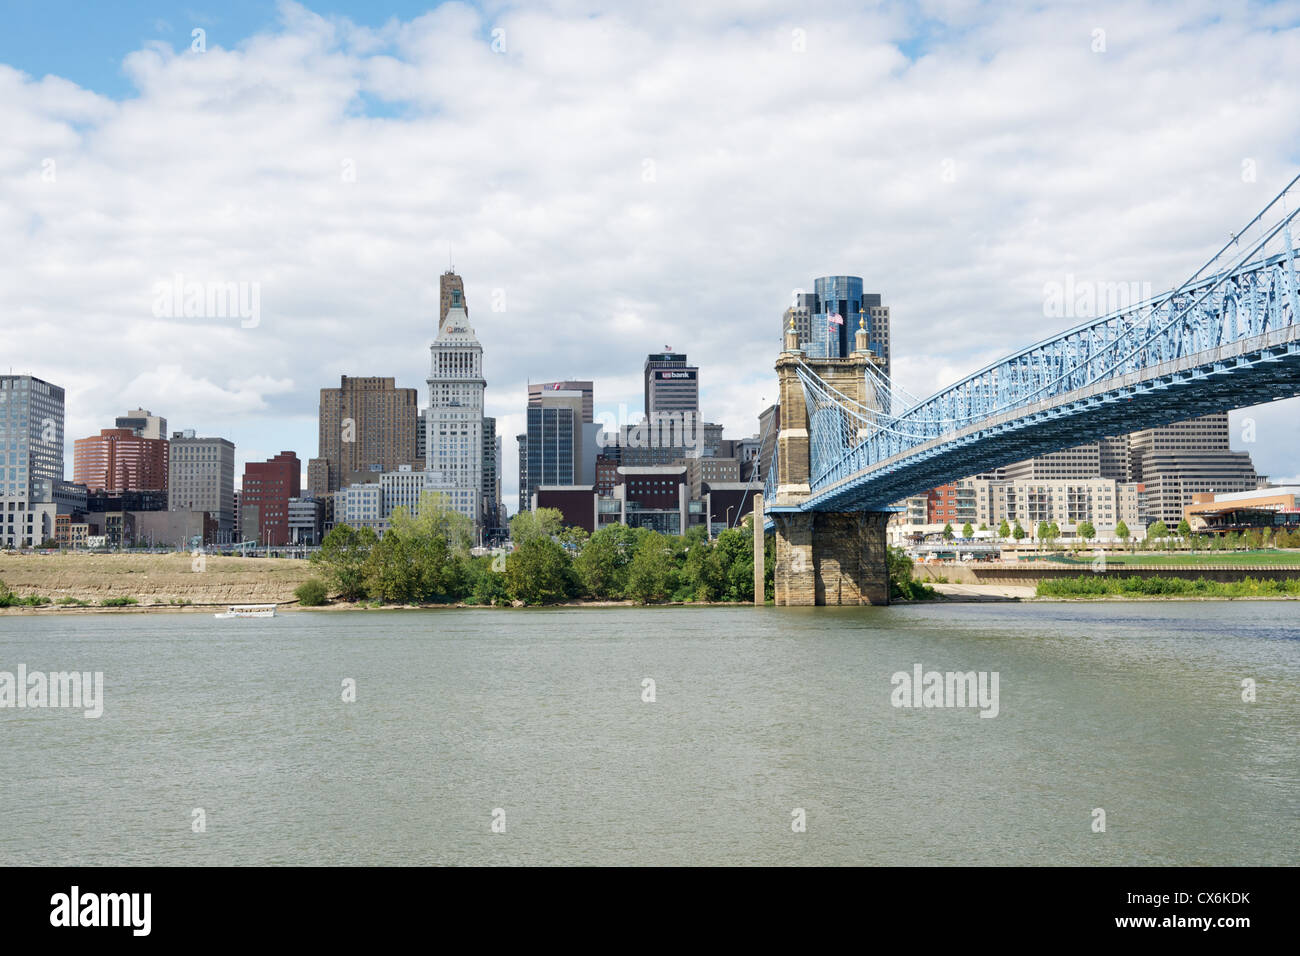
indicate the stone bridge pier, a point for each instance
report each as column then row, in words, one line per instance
column 822, row 557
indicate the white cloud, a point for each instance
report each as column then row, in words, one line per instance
column 770, row 167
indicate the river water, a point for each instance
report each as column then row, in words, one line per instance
column 762, row 719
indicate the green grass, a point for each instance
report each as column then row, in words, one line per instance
column 1100, row 586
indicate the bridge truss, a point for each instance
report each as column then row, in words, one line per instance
column 1226, row 338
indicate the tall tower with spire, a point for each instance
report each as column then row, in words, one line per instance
column 454, row 421
column 447, row 284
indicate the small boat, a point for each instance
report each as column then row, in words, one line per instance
column 248, row 610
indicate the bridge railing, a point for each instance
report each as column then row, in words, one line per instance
column 1246, row 289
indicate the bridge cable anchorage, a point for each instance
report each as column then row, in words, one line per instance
column 1246, row 289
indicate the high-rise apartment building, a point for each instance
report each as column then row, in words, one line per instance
column 31, row 459
column 201, row 477
column 367, row 425
column 267, row 487
column 454, row 438
column 670, row 384
column 120, row 459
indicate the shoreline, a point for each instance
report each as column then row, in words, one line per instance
column 294, row 607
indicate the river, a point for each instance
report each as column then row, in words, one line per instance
column 527, row 736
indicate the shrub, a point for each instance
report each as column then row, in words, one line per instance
column 311, row 593
column 124, row 601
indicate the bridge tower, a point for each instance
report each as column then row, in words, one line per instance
column 822, row 557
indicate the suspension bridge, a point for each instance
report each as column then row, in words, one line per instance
column 852, row 442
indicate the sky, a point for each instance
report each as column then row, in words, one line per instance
column 609, row 180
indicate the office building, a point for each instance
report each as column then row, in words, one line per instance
column 306, row 521
column 451, row 287
column 1275, row 508
column 31, row 459
column 537, row 389
column 552, row 451
column 365, row 425
column 201, row 478
column 119, row 460
column 670, row 384
column 267, row 488
column 454, row 439
column 1175, row 463
column 827, row 319
column 144, row 423
column 490, row 494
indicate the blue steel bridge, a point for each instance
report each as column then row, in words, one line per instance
column 1226, row 338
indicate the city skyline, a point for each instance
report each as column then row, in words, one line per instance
column 580, row 279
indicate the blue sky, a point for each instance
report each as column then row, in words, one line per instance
column 610, row 178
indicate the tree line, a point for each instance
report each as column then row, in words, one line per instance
column 426, row 559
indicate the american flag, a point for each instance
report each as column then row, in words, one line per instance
column 668, row 348
column 836, row 319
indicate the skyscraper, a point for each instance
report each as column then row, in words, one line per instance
column 552, row 450
column 454, row 441
column 31, row 458
column 827, row 319
column 537, row 389
column 366, row 424
column 448, row 284
column 670, row 384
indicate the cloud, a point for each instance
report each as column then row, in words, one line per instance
column 624, row 180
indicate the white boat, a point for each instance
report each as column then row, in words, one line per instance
column 248, row 610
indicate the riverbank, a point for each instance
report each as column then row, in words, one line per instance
column 155, row 581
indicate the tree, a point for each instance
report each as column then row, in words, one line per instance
column 342, row 558
column 601, row 566
column 437, row 518
column 734, row 553
column 1184, row 529
column 410, row 564
column 649, row 576
column 947, row 532
column 967, row 531
column 1087, row 532
column 543, row 523
column 1019, row 533
column 1122, row 532
column 1004, row 530
column 984, row 526
column 1157, row 531
column 1053, row 532
column 1042, row 533
column 539, row 571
